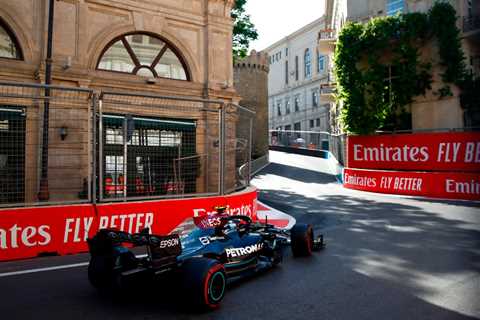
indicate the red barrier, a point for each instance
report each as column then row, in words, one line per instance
column 448, row 185
column 28, row 232
column 452, row 151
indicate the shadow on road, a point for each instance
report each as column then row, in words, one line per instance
column 394, row 243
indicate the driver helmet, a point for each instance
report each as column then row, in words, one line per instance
column 221, row 209
column 230, row 226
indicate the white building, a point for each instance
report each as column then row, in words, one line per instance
column 299, row 82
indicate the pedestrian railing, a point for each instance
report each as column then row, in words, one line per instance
column 310, row 140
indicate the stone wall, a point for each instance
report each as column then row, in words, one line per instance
column 251, row 83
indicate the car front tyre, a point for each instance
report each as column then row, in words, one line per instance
column 301, row 237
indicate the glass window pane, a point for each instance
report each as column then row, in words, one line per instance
column 114, row 136
column 7, row 45
column 135, row 140
column 153, row 138
column 170, row 66
column 307, row 62
column 394, row 6
column 4, row 125
column 139, row 162
column 117, row 59
column 315, row 98
column 144, row 48
column 321, row 63
column 114, row 179
column 145, row 72
column 137, row 38
column 171, row 138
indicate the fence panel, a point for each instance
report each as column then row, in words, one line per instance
column 117, row 146
column 158, row 147
column 238, row 146
column 45, row 167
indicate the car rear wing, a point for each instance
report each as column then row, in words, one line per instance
column 159, row 247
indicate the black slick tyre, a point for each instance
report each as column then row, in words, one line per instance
column 204, row 282
column 100, row 271
column 301, row 237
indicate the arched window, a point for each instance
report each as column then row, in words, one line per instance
column 9, row 47
column 320, row 63
column 143, row 55
column 308, row 63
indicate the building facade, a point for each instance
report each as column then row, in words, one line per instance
column 300, row 94
column 164, row 47
column 427, row 112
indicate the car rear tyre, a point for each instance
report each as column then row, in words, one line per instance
column 302, row 240
column 204, row 282
column 104, row 271
column 100, row 271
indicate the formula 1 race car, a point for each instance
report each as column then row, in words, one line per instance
column 219, row 249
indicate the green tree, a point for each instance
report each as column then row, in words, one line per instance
column 375, row 93
column 243, row 30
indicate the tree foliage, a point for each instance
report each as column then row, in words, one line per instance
column 379, row 70
column 243, row 30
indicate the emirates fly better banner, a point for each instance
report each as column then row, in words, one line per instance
column 441, row 165
column 455, row 151
column 447, row 185
column 28, row 232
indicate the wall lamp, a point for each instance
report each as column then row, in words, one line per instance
column 63, row 133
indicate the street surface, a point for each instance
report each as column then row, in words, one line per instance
column 387, row 257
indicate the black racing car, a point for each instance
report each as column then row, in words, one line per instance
column 203, row 260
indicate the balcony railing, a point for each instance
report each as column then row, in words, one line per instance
column 471, row 23
column 326, row 35
column 327, row 89
column 326, row 41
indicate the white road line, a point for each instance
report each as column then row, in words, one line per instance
column 66, row 266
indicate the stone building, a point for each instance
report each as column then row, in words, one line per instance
column 161, row 47
column 427, row 112
column 251, row 83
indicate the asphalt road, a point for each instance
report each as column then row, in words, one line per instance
column 387, row 258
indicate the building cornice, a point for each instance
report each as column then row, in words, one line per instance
column 293, row 35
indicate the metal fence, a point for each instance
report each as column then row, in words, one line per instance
column 336, row 143
column 311, row 140
column 238, row 147
column 168, row 148
column 117, row 146
column 25, row 162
